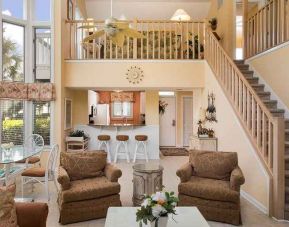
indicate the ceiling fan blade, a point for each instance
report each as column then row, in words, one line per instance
column 133, row 33
column 121, row 25
column 94, row 36
column 118, row 39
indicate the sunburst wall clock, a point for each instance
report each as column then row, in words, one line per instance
column 134, row 75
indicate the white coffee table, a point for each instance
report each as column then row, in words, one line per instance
column 126, row 216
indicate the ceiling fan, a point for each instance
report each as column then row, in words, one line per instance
column 115, row 29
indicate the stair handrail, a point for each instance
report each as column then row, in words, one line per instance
column 265, row 131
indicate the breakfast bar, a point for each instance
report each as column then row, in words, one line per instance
column 131, row 130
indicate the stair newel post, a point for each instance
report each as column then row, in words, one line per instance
column 278, row 195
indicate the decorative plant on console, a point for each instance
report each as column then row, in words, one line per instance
column 77, row 135
column 156, row 208
column 211, row 109
column 162, row 107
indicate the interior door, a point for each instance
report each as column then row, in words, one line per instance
column 168, row 123
column 187, row 120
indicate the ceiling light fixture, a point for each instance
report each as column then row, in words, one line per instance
column 181, row 15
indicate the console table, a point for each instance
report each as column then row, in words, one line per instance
column 147, row 179
column 203, row 143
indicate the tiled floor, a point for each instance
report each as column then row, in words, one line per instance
column 251, row 216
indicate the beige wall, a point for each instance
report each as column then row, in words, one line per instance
column 147, row 9
column 79, row 107
column 111, row 75
column 152, row 108
column 232, row 137
column 273, row 68
column 180, row 114
column 226, row 23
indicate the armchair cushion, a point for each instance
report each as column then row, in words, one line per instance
column 210, row 189
column 31, row 214
column 215, row 165
column 237, row 179
column 63, row 178
column 185, row 172
column 7, row 206
column 83, row 165
column 112, row 173
column 91, row 188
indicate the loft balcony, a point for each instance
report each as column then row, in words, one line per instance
column 163, row 40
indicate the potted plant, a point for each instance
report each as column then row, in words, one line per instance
column 77, row 135
column 156, row 208
column 214, row 23
column 195, row 49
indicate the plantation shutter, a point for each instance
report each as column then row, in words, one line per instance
column 12, row 121
column 41, row 120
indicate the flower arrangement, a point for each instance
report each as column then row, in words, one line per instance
column 155, row 206
column 162, row 107
column 7, row 146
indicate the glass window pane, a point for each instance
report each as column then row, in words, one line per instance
column 117, row 109
column 127, row 109
column 42, row 55
column 12, row 122
column 13, row 8
column 13, row 52
column 42, row 10
column 41, row 120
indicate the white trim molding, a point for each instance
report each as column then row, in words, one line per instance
column 254, row 202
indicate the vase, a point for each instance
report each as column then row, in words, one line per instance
column 160, row 222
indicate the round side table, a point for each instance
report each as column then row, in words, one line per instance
column 147, row 179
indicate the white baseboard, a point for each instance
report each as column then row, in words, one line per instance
column 254, row 202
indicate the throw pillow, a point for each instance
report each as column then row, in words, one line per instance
column 214, row 165
column 8, row 216
column 83, row 165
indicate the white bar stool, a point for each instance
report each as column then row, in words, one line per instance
column 122, row 140
column 103, row 140
column 141, row 140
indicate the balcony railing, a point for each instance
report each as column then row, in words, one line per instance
column 268, row 28
column 163, row 40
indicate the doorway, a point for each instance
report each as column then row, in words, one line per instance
column 168, row 123
column 187, row 120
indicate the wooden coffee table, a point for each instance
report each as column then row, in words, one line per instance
column 126, row 216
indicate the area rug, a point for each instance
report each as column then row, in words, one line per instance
column 173, row 151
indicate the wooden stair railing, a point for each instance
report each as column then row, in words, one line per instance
column 267, row 28
column 265, row 131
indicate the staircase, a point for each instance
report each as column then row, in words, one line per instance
column 260, row 118
column 272, row 107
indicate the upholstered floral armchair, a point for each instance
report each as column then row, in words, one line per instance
column 89, row 186
column 211, row 181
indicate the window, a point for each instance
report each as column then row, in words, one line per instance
column 13, row 52
column 41, row 120
column 42, row 10
column 42, row 55
column 12, row 122
column 13, row 8
column 122, row 109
